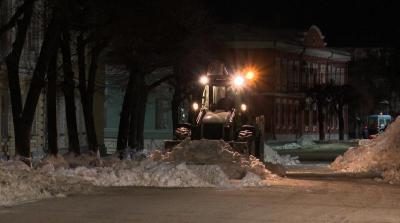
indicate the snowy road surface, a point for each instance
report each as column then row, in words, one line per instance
column 288, row 200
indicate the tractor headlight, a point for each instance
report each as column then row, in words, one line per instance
column 195, row 106
column 238, row 81
column 204, row 80
column 243, row 107
column 250, row 75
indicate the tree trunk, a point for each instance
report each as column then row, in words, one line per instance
column 51, row 102
column 96, row 51
column 48, row 50
column 86, row 90
column 341, row 121
column 137, row 109
column 141, row 115
column 123, row 131
column 132, row 138
column 68, row 89
column 321, row 122
column 12, row 62
column 24, row 124
column 176, row 100
column 137, row 113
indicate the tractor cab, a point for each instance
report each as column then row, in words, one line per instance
column 222, row 112
column 222, row 107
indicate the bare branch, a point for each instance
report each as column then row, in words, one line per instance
column 159, row 82
column 14, row 19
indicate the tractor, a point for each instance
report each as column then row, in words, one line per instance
column 223, row 112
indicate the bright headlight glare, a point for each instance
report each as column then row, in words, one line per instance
column 243, row 107
column 238, row 81
column 195, row 106
column 250, row 75
column 204, row 80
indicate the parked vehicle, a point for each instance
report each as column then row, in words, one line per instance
column 376, row 124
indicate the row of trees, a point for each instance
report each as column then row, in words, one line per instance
column 331, row 97
column 79, row 36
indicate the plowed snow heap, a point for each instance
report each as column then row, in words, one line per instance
column 202, row 163
column 214, row 152
column 380, row 155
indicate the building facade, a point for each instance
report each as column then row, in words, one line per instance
column 288, row 63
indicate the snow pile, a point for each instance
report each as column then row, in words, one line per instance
column 271, row 156
column 304, row 141
column 202, row 163
column 20, row 183
column 364, row 142
column 214, row 152
column 380, row 155
column 252, row 180
column 287, row 146
column 149, row 173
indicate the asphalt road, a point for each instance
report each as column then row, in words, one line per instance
column 288, row 200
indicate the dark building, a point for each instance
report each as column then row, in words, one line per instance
column 287, row 63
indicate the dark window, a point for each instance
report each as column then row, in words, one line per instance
column 278, row 73
column 162, row 114
column 284, row 72
column 315, row 115
column 307, row 119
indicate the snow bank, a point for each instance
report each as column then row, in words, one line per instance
column 288, row 146
column 149, row 174
column 20, row 183
column 252, row 180
column 271, row 156
column 380, row 155
column 202, row 163
column 304, row 141
column 215, row 152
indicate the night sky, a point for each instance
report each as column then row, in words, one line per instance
column 344, row 23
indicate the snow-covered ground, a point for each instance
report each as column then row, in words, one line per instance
column 202, row 163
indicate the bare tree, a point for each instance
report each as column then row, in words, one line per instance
column 23, row 116
column 51, row 105
column 320, row 96
column 12, row 63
